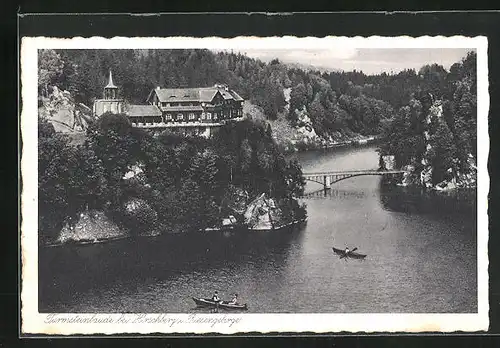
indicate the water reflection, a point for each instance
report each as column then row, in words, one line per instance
column 333, row 194
column 72, row 271
column 419, row 201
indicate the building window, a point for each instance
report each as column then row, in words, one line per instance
column 180, row 116
column 215, row 115
column 209, row 116
column 202, row 115
column 168, row 117
column 191, row 116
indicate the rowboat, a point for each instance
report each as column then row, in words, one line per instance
column 206, row 302
column 351, row 254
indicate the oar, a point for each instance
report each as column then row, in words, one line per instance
column 347, row 254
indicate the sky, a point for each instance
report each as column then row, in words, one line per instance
column 368, row 60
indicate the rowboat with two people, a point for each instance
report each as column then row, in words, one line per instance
column 216, row 302
column 346, row 253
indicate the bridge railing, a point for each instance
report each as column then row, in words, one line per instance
column 328, row 178
column 354, row 172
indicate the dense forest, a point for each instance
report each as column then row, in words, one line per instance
column 435, row 131
column 334, row 102
column 426, row 118
column 349, row 102
column 184, row 182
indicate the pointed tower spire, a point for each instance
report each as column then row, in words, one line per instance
column 110, row 89
column 110, row 83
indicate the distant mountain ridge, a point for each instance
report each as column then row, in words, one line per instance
column 311, row 68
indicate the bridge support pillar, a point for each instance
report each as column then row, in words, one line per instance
column 327, row 182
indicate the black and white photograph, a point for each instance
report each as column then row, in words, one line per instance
column 254, row 184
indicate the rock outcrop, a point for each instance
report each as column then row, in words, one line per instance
column 92, row 226
column 301, row 136
column 263, row 214
column 67, row 116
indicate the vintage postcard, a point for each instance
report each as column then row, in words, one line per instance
column 254, row 185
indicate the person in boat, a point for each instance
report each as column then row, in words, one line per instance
column 346, row 251
column 215, row 297
column 235, row 299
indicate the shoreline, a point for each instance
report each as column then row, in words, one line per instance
column 243, row 229
column 355, row 142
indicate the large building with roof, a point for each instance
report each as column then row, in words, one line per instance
column 197, row 111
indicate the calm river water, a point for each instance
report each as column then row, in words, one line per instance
column 421, row 258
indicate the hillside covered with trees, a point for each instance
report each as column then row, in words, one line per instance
column 434, row 134
column 336, row 105
column 166, row 183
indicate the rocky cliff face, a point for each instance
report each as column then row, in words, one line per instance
column 263, row 214
column 300, row 137
column 465, row 178
column 92, row 226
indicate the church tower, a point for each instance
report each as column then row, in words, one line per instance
column 110, row 90
column 110, row 102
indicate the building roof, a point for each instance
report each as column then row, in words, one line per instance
column 110, row 82
column 236, row 96
column 142, row 110
column 203, row 94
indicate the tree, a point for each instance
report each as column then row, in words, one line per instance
column 203, row 170
column 71, row 180
column 117, row 146
column 88, row 179
column 294, row 180
column 50, row 69
column 443, row 151
column 298, row 97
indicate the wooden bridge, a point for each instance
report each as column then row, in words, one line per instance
column 328, row 178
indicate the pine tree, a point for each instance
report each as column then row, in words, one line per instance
column 443, row 152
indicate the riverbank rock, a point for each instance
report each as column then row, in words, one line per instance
column 263, row 214
column 67, row 116
column 91, row 226
column 460, row 179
